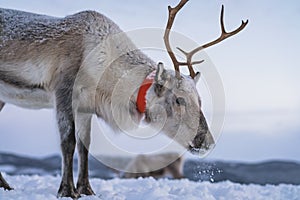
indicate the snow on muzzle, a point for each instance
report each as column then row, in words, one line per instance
column 202, row 144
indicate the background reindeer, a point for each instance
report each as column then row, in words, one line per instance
column 71, row 64
column 148, row 165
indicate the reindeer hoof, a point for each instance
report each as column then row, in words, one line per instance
column 85, row 189
column 6, row 187
column 4, row 184
column 67, row 191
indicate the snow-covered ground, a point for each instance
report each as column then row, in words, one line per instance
column 45, row 187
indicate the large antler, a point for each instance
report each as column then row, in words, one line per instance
column 189, row 55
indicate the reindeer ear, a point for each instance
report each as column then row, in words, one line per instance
column 197, row 77
column 159, row 77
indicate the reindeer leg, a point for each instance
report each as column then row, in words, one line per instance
column 83, row 129
column 4, row 184
column 174, row 169
column 1, row 105
column 66, row 127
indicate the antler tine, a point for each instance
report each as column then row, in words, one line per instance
column 224, row 35
column 189, row 62
column 172, row 15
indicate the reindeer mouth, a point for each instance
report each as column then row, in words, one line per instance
column 193, row 149
column 201, row 151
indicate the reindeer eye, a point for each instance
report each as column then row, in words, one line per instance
column 180, row 101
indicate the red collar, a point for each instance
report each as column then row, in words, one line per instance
column 141, row 98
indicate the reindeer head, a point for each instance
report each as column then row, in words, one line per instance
column 174, row 100
column 174, row 104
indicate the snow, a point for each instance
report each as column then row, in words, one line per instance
column 45, row 187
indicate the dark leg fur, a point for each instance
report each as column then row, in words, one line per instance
column 1, row 105
column 83, row 123
column 66, row 126
column 4, row 184
column 83, row 184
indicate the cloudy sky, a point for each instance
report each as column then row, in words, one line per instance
column 259, row 69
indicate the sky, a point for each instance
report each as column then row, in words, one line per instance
column 259, row 69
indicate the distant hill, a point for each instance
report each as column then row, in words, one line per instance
column 271, row 172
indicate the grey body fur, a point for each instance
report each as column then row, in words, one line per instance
column 72, row 64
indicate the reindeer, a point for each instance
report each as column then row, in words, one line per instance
column 72, row 64
column 149, row 165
